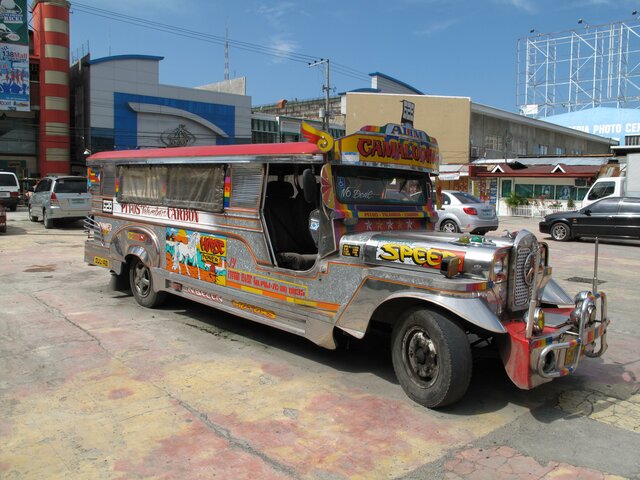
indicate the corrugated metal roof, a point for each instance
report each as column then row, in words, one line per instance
column 545, row 160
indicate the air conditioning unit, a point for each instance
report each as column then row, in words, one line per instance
column 580, row 182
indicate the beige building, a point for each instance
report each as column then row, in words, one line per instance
column 467, row 131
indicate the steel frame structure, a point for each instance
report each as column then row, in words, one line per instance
column 571, row 70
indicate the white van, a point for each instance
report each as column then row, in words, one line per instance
column 9, row 190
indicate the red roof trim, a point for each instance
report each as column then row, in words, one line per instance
column 256, row 149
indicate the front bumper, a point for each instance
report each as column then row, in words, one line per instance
column 557, row 351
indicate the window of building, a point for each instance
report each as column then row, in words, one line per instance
column 493, row 142
column 546, row 191
column 524, row 190
column 507, row 185
column 520, row 147
column 560, row 151
column 564, row 192
column 543, row 149
column 632, row 140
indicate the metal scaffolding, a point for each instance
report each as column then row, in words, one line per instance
column 576, row 70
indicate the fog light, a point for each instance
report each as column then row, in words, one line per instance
column 549, row 362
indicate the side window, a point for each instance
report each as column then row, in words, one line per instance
column 602, row 190
column 185, row 186
column 43, row 186
column 446, row 199
column 506, row 188
column 606, row 206
column 629, row 206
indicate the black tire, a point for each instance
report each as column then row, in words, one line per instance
column 141, row 283
column 3, row 229
column 560, row 232
column 431, row 357
column 449, row 226
column 48, row 222
column 33, row 218
column 13, row 208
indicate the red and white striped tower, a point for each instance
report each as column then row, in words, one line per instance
column 51, row 44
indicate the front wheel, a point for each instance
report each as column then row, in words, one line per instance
column 561, row 232
column 142, row 285
column 431, row 357
column 449, row 226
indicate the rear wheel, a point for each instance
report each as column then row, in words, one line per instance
column 13, row 208
column 142, row 285
column 561, row 232
column 32, row 217
column 431, row 357
column 449, row 226
column 48, row 221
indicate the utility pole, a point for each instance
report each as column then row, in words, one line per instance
column 327, row 89
column 226, row 54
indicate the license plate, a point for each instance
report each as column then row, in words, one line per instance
column 570, row 356
column 101, row 262
column 78, row 200
column 4, row 194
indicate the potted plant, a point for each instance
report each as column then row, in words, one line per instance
column 513, row 201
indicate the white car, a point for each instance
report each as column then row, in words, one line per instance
column 462, row 212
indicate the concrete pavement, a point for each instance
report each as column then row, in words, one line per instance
column 94, row 386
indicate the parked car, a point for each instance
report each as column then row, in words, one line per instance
column 608, row 217
column 3, row 219
column 462, row 212
column 9, row 190
column 59, row 197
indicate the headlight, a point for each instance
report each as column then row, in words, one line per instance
column 538, row 321
column 499, row 269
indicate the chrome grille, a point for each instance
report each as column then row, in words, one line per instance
column 93, row 229
column 521, row 291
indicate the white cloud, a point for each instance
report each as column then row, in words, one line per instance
column 526, row 5
column 438, row 27
column 283, row 46
column 273, row 12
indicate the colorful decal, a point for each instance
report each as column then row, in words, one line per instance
column 202, row 294
column 413, row 255
column 137, row 237
column 263, row 284
column 178, row 214
column 93, row 178
column 323, row 140
column 105, row 228
column 276, row 289
column 391, row 144
column 253, row 309
column 198, row 255
column 350, row 250
column 227, row 191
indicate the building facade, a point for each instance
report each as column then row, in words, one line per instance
column 119, row 104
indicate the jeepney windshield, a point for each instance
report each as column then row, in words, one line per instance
column 381, row 186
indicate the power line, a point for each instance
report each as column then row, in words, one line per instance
column 215, row 39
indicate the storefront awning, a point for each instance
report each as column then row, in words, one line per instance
column 451, row 172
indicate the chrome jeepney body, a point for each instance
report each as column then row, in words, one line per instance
column 361, row 258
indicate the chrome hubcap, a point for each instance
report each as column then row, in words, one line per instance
column 142, row 280
column 421, row 355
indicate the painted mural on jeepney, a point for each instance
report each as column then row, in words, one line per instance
column 197, row 255
column 416, row 255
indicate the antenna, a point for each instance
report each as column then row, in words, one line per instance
column 226, row 54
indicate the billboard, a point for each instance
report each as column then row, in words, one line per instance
column 13, row 22
column 14, row 56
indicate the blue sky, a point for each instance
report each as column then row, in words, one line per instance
column 441, row 47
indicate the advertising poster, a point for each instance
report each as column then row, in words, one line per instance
column 14, row 56
column 13, row 22
column 14, row 77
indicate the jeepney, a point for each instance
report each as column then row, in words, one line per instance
column 324, row 237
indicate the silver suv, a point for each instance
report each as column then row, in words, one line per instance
column 9, row 190
column 59, row 197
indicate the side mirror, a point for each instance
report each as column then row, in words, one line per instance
column 310, row 187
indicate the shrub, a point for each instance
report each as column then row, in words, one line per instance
column 514, row 200
column 571, row 204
